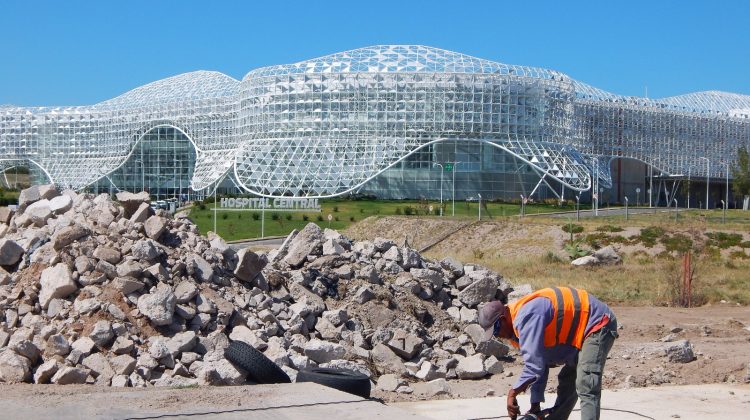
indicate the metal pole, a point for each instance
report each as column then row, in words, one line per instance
column 523, row 205
column 724, row 211
column 688, row 188
column 441, row 185
column 578, row 207
column 480, row 206
column 726, row 193
column 626, row 208
column 651, row 184
column 675, row 209
column 263, row 219
column 215, row 188
column 453, row 192
column 708, row 173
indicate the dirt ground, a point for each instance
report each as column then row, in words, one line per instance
column 720, row 336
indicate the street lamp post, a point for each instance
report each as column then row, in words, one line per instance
column 626, row 207
column 453, row 188
column 441, row 186
column 578, row 207
column 726, row 191
column 708, row 174
column 480, row 206
column 688, row 189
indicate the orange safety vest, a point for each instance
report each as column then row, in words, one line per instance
column 570, row 309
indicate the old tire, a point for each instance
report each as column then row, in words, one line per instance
column 342, row 379
column 259, row 367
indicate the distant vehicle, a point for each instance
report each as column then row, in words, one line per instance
column 162, row 204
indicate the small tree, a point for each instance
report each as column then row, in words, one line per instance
column 741, row 173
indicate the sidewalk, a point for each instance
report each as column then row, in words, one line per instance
column 695, row 402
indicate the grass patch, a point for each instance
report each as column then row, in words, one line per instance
column 650, row 235
column 724, row 240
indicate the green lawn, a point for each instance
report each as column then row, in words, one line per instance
column 233, row 225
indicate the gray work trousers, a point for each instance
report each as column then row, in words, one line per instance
column 584, row 380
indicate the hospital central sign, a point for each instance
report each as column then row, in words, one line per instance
column 282, row 204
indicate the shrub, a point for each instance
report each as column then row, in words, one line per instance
column 724, row 240
column 739, row 255
column 575, row 250
column 288, row 216
column 336, row 218
column 551, row 258
column 320, row 218
column 649, row 235
column 305, row 217
column 409, row 210
column 362, row 211
column 335, row 209
column 224, row 216
column 572, row 228
column 478, row 253
column 398, row 210
column 239, row 215
column 351, row 219
column 256, row 216
column 678, row 242
column 275, row 216
column 609, row 228
column 201, row 206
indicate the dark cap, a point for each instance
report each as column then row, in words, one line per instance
column 490, row 312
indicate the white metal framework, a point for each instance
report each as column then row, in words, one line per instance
column 326, row 126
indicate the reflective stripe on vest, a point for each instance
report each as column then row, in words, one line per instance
column 570, row 314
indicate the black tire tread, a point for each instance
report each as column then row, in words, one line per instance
column 260, row 368
column 342, row 379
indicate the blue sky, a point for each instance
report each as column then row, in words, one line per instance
column 82, row 52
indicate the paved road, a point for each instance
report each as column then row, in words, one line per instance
column 272, row 242
column 694, row 402
column 262, row 402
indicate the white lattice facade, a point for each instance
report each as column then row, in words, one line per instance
column 327, row 126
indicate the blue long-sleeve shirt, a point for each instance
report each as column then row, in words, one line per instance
column 530, row 322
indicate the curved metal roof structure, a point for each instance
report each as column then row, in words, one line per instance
column 325, row 126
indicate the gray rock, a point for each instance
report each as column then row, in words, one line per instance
column 70, row 375
column 14, row 367
column 471, row 367
column 129, row 268
column 56, row 282
column 122, row 345
column 10, row 252
column 127, row 285
column 427, row 372
column 5, row 215
column 142, row 214
column 60, row 204
column 123, row 364
column 332, row 247
column 159, row 305
column 45, row 371
column 184, row 341
column 99, row 368
column 131, row 202
column 28, row 196
column 467, row 315
column 67, row 236
column 364, row 294
column 481, row 290
column 679, row 351
column 520, row 291
column 386, row 361
column 493, row 347
column 155, row 227
column 323, row 351
column 585, row 260
column 102, row 333
column 83, row 264
column 438, row 387
column 389, row 382
column 202, row 270
column 84, row 346
column 336, row 316
column 427, row 276
column 371, row 274
column 607, row 255
column 144, row 250
column 246, row 335
column 493, row 366
column 109, row 255
column 120, row 381
column 185, row 291
column 57, row 344
column 249, row 264
column 392, row 254
column 452, row 266
column 26, row 349
column 410, row 258
column 304, row 244
column 405, row 344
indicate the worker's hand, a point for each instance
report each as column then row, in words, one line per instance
column 513, row 409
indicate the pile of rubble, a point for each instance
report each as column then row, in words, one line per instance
column 108, row 292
